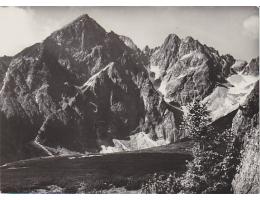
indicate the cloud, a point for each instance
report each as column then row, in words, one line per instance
column 251, row 27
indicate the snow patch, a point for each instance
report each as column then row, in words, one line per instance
column 238, row 64
column 194, row 54
column 224, row 100
column 240, row 83
column 188, row 55
column 162, row 87
column 72, row 158
column 17, row 168
column 91, row 81
column 156, row 70
column 137, row 141
column 87, row 155
column 37, row 144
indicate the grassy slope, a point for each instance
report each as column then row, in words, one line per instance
column 128, row 169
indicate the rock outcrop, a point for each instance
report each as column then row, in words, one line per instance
column 246, row 126
column 129, row 42
column 239, row 65
column 4, row 63
column 252, row 68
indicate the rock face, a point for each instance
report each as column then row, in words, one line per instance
column 239, row 65
column 184, row 69
column 188, row 69
column 78, row 89
column 252, row 68
column 4, row 63
column 116, row 101
column 246, row 126
column 166, row 55
column 128, row 42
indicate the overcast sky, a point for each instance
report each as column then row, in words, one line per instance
column 233, row 30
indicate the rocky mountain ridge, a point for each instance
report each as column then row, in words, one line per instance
column 181, row 64
column 77, row 90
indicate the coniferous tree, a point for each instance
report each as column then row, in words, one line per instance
column 196, row 123
column 207, row 172
column 215, row 158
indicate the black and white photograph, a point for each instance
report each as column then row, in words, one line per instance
column 129, row 100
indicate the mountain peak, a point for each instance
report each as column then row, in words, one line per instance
column 188, row 39
column 172, row 41
column 172, row 37
column 84, row 22
column 83, row 17
column 80, row 34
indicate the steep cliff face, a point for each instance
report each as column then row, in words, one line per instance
column 83, row 47
column 166, row 55
column 248, row 178
column 4, row 63
column 187, row 69
column 128, row 42
column 79, row 89
column 252, row 68
column 116, row 102
column 239, row 65
column 246, row 126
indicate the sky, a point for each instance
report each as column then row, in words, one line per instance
column 233, row 30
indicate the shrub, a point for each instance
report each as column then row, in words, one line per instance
column 162, row 184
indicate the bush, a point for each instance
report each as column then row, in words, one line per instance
column 94, row 187
column 162, row 184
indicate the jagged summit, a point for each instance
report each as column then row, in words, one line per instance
column 187, row 68
column 170, row 37
column 252, row 68
column 188, row 39
column 84, row 47
column 82, row 34
column 129, row 42
column 171, row 41
column 83, row 17
column 84, row 20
